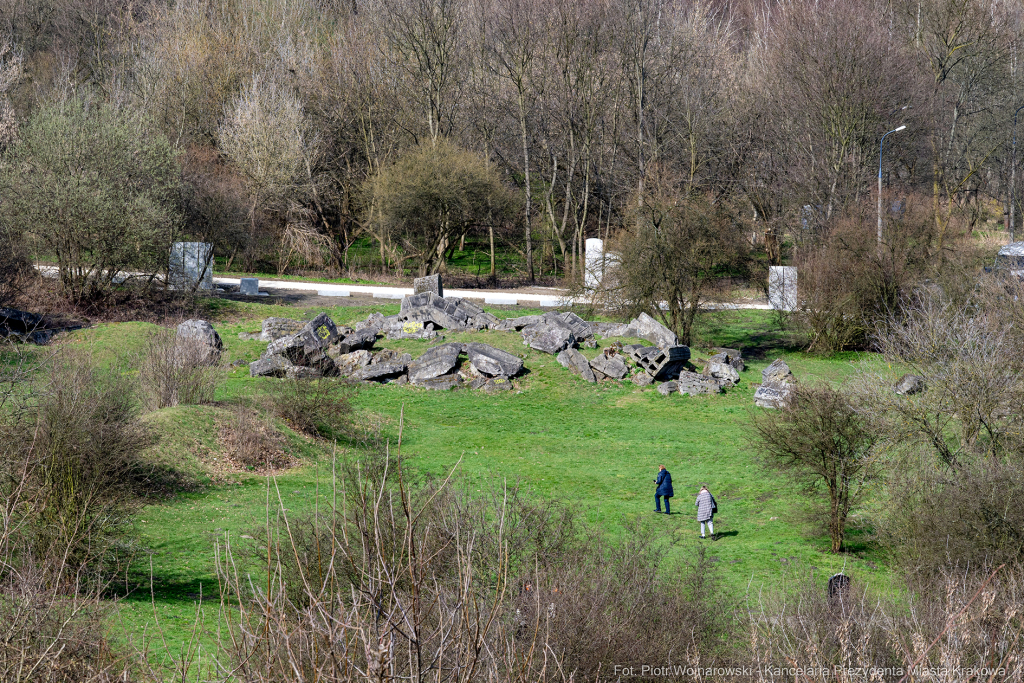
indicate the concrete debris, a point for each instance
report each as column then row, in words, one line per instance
column 733, row 357
column 274, row 365
column 360, row 339
column 661, row 363
column 613, row 329
column 910, row 385
column 777, row 373
column 642, row 379
column 493, row 362
column 430, row 283
column 575, row 362
column 435, row 362
column 581, row 329
column 773, row 395
column 515, row 324
column 380, row 372
column 693, row 384
column 610, row 365
column 551, row 335
column 495, row 384
column 668, row 388
column 727, row 375
column 347, row 364
column 275, row 328
column 653, row 331
column 300, row 372
column 374, row 320
column 201, row 334
column 440, row 383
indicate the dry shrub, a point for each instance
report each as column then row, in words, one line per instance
column 177, row 371
column 15, row 267
column 252, row 440
column 849, row 281
column 314, row 407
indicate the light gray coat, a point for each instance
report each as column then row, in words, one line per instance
column 704, row 506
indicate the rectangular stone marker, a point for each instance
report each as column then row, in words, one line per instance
column 191, row 264
column 501, row 301
column 333, row 292
column 782, row 288
column 249, row 286
column 430, row 283
column 594, row 265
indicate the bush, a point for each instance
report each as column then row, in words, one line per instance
column 98, row 190
column 315, row 407
column 252, row 440
column 74, row 450
column 176, row 371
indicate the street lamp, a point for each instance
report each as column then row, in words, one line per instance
column 880, row 143
column 1013, row 170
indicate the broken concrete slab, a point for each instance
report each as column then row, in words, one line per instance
column 203, row 337
column 300, row 372
column 308, row 346
column 435, row 362
column 723, row 372
column 576, row 363
column 360, row 339
column 613, row 329
column 693, row 384
column 610, row 366
column 495, row 384
column 662, row 364
column 390, row 356
column 348, row 364
column 642, row 379
column 271, row 366
column 375, row 320
column 731, row 356
column 581, row 329
column 380, row 372
column 516, row 324
column 653, row 331
column 441, row 383
column 668, row 388
column 548, row 337
column 777, row 373
column 493, row 362
column 773, row 395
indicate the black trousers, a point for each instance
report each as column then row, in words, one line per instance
column 657, row 504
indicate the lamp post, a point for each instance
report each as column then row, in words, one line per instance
column 880, row 143
column 1013, row 171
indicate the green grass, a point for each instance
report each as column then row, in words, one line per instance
column 595, row 448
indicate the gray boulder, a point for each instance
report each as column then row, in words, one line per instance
column 668, row 388
column 613, row 329
column 430, row 283
column 693, row 384
column 777, row 373
column 550, row 335
column 348, row 364
column 300, row 372
column 380, row 372
column 773, row 395
column 642, row 379
column 723, row 372
column 200, row 335
column 441, row 383
column 435, row 362
column 610, row 366
column 496, row 384
column 374, row 320
column 516, row 324
column 275, row 328
column 360, row 339
column 576, row 363
column 493, row 362
column 390, row 356
column 910, row 385
column 731, row 356
column 581, row 329
column 270, row 366
column 653, row 331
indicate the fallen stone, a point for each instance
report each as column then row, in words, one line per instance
column 493, row 362
column 668, row 388
column 309, row 345
column 693, row 384
column 483, row 320
column 731, row 356
column 653, row 331
column 773, row 395
column 348, row 364
column 610, row 366
column 726, row 374
column 390, row 356
column 910, row 385
column 581, row 329
column 550, row 335
column 300, row 372
column 374, row 320
column 275, row 328
column 430, row 283
column 613, row 329
column 576, row 363
column 516, row 324
column 380, row 372
column 360, row 339
column 495, row 384
column 777, row 373
column 418, row 300
column 271, row 366
column 441, row 383
column 411, row 330
column 206, row 340
column 641, row 379
column 435, row 362
column 662, row 364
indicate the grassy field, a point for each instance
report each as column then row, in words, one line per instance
column 595, row 448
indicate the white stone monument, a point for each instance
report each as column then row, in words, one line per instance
column 594, row 264
column 782, row 288
column 191, row 264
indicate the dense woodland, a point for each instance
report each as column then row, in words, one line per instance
column 302, row 127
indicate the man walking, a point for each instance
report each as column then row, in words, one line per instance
column 664, row 482
column 706, row 507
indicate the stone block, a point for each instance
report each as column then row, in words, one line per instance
column 777, row 373
column 348, row 364
column 651, row 330
column 723, row 372
column 441, row 383
column 641, row 379
column 782, row 292
column 435, row 362
column 610, row 366
column 516, row 324
column 613, row 329
column 270, row 366
column 668, row 388
column 496, row 384
column 660, row 363
column 910, row 385
column 430, row 283
column 417, row 300
column 730, row 356
column 190, row 266
column 275, row 328
column 576, row 363
column 493, row 362
column 249, row 286
column 374, row 320
column 773, row 395
column 333, row 292
column 207, row 341
column 301, row 372
column 693, row 384
column 360, row 339
column 581, row 329
column 548, row 337
column 380, row 372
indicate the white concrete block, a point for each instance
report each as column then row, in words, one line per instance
column 334, row 292
column 501, row 301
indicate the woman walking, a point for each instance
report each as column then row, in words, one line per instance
column 706, row 508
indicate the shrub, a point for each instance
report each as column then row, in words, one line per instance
column 176, row 371
column 252, row 440
column 315, row 407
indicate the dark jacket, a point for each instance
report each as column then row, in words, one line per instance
column 664, row 482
